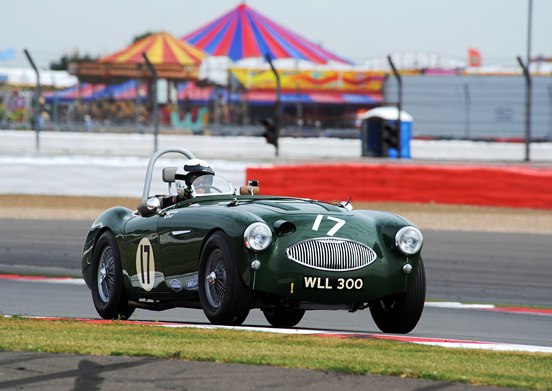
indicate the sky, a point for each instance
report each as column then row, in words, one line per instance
column 360, row 30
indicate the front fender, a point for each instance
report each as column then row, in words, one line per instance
column 114, row 220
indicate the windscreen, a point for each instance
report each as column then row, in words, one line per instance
column 208, row 185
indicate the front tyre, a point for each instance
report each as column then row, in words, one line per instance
column 224, row 297
column 283, row 317
column 400, row 313
column 107, row 280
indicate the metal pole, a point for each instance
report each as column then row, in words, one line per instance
column 550, row 113
column 154, row 96
column 399, row 103
column 277, row 104
column 55, row 107
column 467, row 99
column 528, row 87
column 529, row 31
column 36, row 96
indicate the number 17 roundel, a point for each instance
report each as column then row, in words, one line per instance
column 145, row 264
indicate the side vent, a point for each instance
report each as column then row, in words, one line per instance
column 283, row 227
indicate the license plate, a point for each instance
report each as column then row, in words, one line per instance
column 337, row 284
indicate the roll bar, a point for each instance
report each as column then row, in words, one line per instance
column 151, row 164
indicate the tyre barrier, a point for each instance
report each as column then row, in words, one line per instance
column 503, row 186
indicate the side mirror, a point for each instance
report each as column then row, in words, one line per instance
column 169, row 174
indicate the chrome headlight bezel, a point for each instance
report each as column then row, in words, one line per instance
column 409, row 240
column 257, row 236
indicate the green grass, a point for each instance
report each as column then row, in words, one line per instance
column 359, row 356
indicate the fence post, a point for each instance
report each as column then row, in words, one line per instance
column 399, row 106
column 277, row 104
column 154, row 96
column 528, row 89
column 35, row 124
column 467, row 101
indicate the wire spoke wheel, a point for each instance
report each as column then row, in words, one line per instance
column 216, row 284
column 107, row 286
column 106, row 275
column 224, row 297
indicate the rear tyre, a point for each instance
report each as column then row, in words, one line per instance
column 223, row 296
column 400, row 313
column 108, row 293
column 283, row 317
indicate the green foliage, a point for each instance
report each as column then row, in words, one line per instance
column 359, row 356
column 66, row 59
column 63, row 63
column 142, row 36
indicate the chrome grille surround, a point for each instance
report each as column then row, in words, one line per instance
column 334, row 254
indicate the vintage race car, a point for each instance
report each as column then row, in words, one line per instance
column 229, row 250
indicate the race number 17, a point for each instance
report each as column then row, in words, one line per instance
column 338, row 224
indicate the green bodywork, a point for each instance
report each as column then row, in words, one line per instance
column 177, row 235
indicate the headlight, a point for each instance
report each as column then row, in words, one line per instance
column 257, row 236
column 409, row 240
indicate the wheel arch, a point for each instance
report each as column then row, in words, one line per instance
column 112, row 220
column 236, row 244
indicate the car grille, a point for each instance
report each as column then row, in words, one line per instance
column 331, row 254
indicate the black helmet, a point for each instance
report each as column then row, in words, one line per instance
column 191, row 170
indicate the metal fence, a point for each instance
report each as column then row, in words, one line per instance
column 474, row 107
column 459, row 107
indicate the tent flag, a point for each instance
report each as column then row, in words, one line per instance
column 245, row 33
column 474, row 58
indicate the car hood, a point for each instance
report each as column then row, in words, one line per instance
column 290, row 206
column 317, row 219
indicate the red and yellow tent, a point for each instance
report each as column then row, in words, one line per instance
column 172, row 58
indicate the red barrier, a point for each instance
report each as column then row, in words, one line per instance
column 527, row 187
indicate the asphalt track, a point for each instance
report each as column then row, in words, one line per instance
column 467, row 267
column 86, row 373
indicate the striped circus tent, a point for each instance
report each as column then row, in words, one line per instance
column 172, row 58
column 161, row 48
column 245, row 33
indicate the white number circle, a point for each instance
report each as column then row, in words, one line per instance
column 145, row 264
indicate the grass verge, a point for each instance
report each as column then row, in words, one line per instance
column 359, row 356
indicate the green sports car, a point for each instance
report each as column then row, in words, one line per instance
column 227, row 250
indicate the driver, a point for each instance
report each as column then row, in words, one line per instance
column 184, row 179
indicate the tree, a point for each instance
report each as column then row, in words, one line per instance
column 63, row 63
column 142, row 36
column 66, row 59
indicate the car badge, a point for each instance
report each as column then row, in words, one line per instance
column 175, row 285
column 192, row 284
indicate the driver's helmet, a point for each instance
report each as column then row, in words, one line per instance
column 186, row 175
